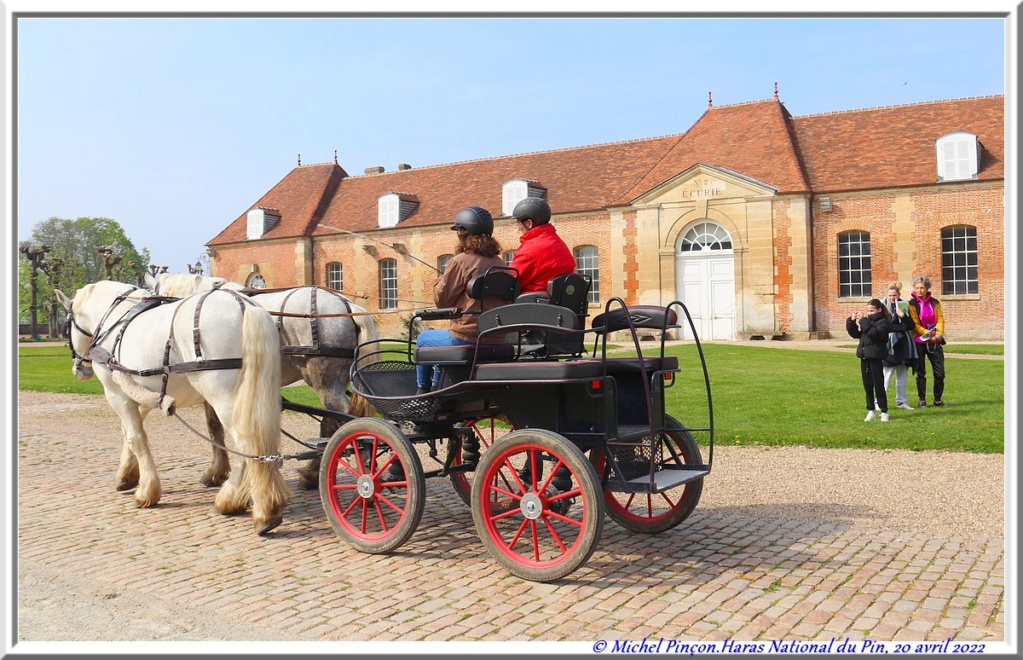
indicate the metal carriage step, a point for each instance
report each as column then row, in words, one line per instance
column 664, row 479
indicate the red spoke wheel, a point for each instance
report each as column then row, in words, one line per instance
column 651, row 513
column 486, row 431
column 536, row 504
column 371, row 485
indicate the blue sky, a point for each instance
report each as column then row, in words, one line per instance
column 174, row 127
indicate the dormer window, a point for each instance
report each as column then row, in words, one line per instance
column 516, row 190
column 259, row 221
column 394, row 207
column 958, row 156
column 512, row 193
column 387, row 210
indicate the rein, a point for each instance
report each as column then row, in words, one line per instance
column 272, row 458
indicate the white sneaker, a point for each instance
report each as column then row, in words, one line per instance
column 904, row 406
column 884, row 417
column 869, row 417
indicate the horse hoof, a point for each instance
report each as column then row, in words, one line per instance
column 211, row 482
column 126, row 485
column 268, row 526
column 308, row 482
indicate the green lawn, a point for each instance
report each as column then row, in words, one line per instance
column 776, row 396
column 761, row 396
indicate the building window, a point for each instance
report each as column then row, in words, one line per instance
column 705, row 236
column 387, row 210
column 854, row 264
column 513, row 192
column 586, row 263
column 959, row 260
column 258, row 222
column 388, row 284
column 958, row 156
column 334, row 276
column 256, row 282
column 508, row 256
column 442, row 262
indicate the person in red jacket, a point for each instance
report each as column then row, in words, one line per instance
column 542, row 255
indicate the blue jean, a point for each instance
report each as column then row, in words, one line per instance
column 434, row 338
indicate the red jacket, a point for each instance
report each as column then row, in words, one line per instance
column 541, row 257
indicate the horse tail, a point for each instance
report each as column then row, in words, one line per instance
column 257, row 411
column 367, row 329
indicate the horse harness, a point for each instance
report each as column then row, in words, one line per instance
column 95, row 352
column 314, row 325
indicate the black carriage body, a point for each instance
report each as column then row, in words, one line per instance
column 529, row 367
column 543, row 437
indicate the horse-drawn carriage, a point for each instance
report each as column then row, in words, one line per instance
column 540, row 426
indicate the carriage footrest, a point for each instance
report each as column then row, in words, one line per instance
column 319, row 443
column 664, row 479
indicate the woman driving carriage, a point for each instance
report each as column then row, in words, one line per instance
column 476, row 251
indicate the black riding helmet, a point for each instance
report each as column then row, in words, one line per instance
column 532, row 208
column 476, row 220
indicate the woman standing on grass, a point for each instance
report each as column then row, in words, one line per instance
column 902, row 348
column 929, row 328
column 872, row 331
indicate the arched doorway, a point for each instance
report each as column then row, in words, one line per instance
column 705, row 279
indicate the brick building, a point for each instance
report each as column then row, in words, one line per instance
column 765, row 224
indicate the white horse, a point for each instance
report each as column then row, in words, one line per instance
column 319, row 328
column 225, row 353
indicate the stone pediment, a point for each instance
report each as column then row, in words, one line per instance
column 703, row 182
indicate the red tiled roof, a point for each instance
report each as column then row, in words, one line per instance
column 852, row 150
column 576, row 180
column 894, row 146
column 751, row 139
column 301, row 197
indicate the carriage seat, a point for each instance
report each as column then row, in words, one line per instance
column 641, row 316
column 455, row 355
column 541, row 370
column 570, row 290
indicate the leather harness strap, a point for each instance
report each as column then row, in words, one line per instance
column 110, row 359
column 315, row 329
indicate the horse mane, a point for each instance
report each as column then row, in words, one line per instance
column 179, row 285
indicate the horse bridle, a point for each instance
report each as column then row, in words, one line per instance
column 94, row 337
column 70, row 323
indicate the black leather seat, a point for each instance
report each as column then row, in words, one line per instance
column 541, row 370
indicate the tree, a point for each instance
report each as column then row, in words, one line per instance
column 74, row 259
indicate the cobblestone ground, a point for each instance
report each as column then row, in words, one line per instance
column 716, row 577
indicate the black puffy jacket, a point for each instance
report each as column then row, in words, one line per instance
column 872, row 331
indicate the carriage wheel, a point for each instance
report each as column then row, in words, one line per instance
column 536, row 505
column 487, row 430
column 371, row 485
column 650, row 513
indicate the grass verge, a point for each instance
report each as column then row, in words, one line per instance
column 761, row 396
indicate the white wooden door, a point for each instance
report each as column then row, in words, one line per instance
column 706, row 285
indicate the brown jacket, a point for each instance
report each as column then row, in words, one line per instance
column 450, row 291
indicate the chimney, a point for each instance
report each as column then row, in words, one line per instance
column 403, row 167
column 375, row 170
